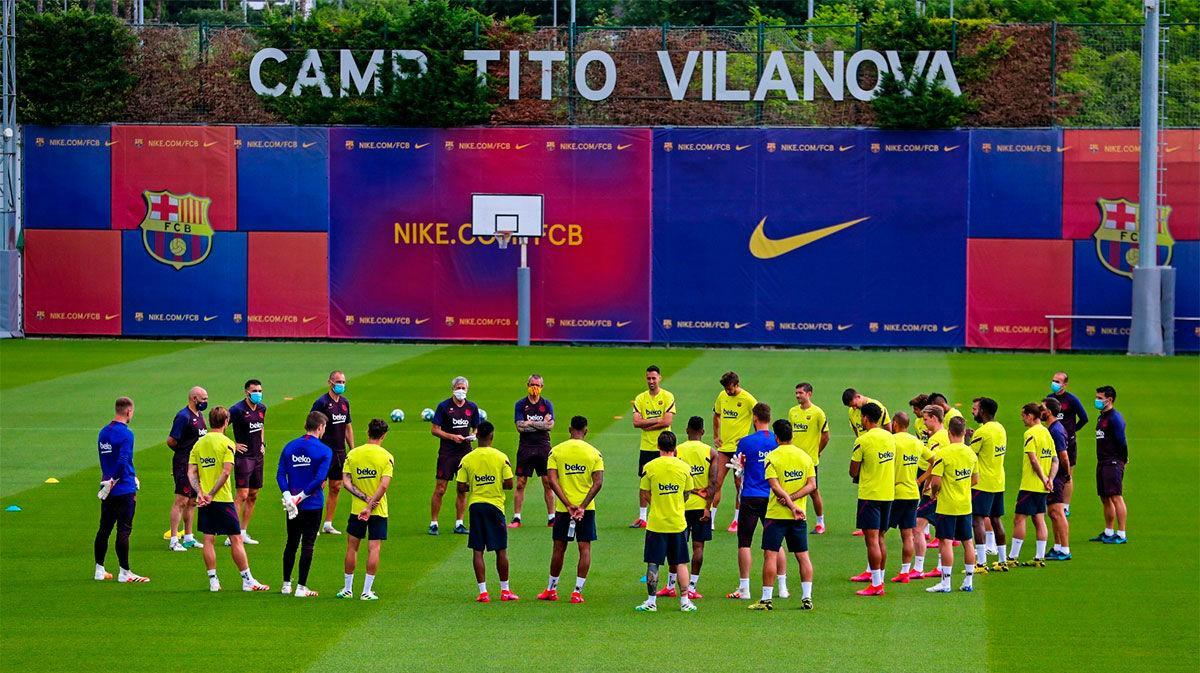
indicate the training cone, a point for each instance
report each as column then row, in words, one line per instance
column 51, row 480
column 12, row 508
column 167, row 534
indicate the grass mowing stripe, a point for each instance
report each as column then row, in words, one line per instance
column 27, row 361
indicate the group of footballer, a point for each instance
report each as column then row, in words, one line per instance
column 912, row 472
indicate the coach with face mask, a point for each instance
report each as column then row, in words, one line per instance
column 454, row 423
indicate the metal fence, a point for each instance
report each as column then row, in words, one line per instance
column 1019, row 74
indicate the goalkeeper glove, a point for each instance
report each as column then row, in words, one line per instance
column 289, row 506
column 106, row 487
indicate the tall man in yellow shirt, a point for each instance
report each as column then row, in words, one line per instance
column 653, row 412
column 810, row 432
column 576, row 473
column 210, row 467
column 732, row 420
column 954, row 474
column 666, row 483
column 792, row 476
column 366, row 475
column 989, row 443
column 873, row 466
column 484, row 475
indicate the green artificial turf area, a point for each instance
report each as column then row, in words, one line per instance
column 1115, row 608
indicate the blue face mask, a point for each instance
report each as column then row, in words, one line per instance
column 1099, row 404
column 256, row 398
column 1055, row 386
column 339, row 388
column 201, row 406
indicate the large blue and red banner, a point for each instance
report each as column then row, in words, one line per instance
column 403, row 260
column 809, row 236
column 846, row 237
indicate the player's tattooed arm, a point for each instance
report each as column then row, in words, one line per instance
column 597, row 484
column 348, row 484
column 194, row 478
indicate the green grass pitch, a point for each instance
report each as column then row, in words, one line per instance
column 1114, row 608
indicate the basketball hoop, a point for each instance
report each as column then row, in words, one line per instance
column 503, row 238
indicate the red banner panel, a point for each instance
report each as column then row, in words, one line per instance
column 72, row 282
column 1100, row 184
column 1012, row 285
column 155, row 167
column 288, row 293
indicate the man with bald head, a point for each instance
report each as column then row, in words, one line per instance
column 188, row 427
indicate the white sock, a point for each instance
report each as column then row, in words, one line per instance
column 684, row 601
column 904, row 568
column 653, row 600
column 579, row 581
column 504, row 585
column 876, row 577
column 174, row 540
column 246, row 576
column 1002, row 553
column 552, row 584
column 821, row 520
column 969, row 580
column 458, row 522
column 368, row 582
column 349, row 586
column 806, row 590
column 945, row 570
column 517, row 516
column 744, row 586
column 1120, row 533
column 1015, row 552
column 671, row 580
column 1109, row 532
column 736, row 512
column 781, row 582
column 1067, row 509
column 189, row 538
column 212, row 574
column 433, row 523
column 768, row 593
column 1039, row 547
column 483, row 587
column 1058, row 547
column 919, row 563
column 244, row 533
column 695, row 579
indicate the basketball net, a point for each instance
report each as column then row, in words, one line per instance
column 502, row 240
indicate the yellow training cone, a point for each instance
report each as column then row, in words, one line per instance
column 51, row 480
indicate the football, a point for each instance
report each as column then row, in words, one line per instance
column 427, row 414
column 397, row 415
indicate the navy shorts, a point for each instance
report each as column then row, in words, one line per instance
column 448, row 461
column 1058, row 493
column 643, row 458
column 926, row 507
column 699, row 531
column 532, row 461
column 1110, row 478
column 874, row 514
column 179, row 472
column 775, row 531
column 585, row 528
column 670, row 546
column 955, row 527
column 218, row 518
column 987, row 503
column 374, row 528
column 1030, row 503
column 488, row 528
column 248, row 472
column 904, row 514
column 336, row 463
column 753, row 510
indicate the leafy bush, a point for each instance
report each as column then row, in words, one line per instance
column 917, row 104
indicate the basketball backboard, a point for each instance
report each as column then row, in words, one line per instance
column 515, row 214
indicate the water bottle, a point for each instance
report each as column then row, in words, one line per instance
column 571, row 531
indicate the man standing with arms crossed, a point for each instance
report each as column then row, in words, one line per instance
column 118, row 492
column 454, row 423
column 534, row 416
column 576, row 473
column 485, row 474
column 810, row 432
column 303, row 468
column 791, row 476
column 187, row 429
column 1112, row 454
column 873, row 466
column 339, row 437
column 1074, row 418
column 367, row 475
column 653, row 413
column 732, row 420
column 248, row 418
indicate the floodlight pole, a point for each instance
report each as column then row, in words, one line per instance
column 523, row 295
column 1145, row 335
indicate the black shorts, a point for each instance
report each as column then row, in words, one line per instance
column 248, row 472
column 955, row 527
column 218, row 518
column 752, row 511
column 531, row 461
column 1072, row 450
column 643, row 458
column 374, row 528
column 1110, row 478
column 1030, row 503
column 117, row 510
column 179, row 471
column 336, row 463
column 903, row 514
column 874, row 514
column 448, row 461
column 670, row 546
column 926, row 507
column 585, row 528
column 488, row 529
column 698, row 531
column 775, row 531
column 1058, row 493
column 987, row 503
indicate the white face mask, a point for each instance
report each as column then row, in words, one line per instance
column 460, row 394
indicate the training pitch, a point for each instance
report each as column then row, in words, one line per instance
column 1116, row 608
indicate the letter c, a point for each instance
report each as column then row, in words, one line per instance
column 256, row 64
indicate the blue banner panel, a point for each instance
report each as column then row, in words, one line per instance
column 201, row 298
column 1100, row 291
column 67, row 183
column 1016, row 183
column 809, row 237
column 283, row 178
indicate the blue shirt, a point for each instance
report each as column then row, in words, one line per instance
column 115, row 445
column 303, row 466
column 1059, row 434
column 755, row 447
column 1073, row 415
column 1110, row 437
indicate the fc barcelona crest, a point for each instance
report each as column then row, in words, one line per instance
column 1117, row 236
column 176, row 231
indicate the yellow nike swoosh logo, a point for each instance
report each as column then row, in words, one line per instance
column 624, row 147
column 110, row 143
column 521, row 147
column 110, row 317
column 843, row 148
column 307, row 145
column 624, row 323
column 1060, row 330
column 950, row 328
column 210, row 144
column 1064, row 149
column 1172, row 149
column 420, row 145
column 741, row 147
column 766, row 248
column 739, row 325
column 308, row 319
column 950, row 148
column 209, row 317
column 422, row 321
